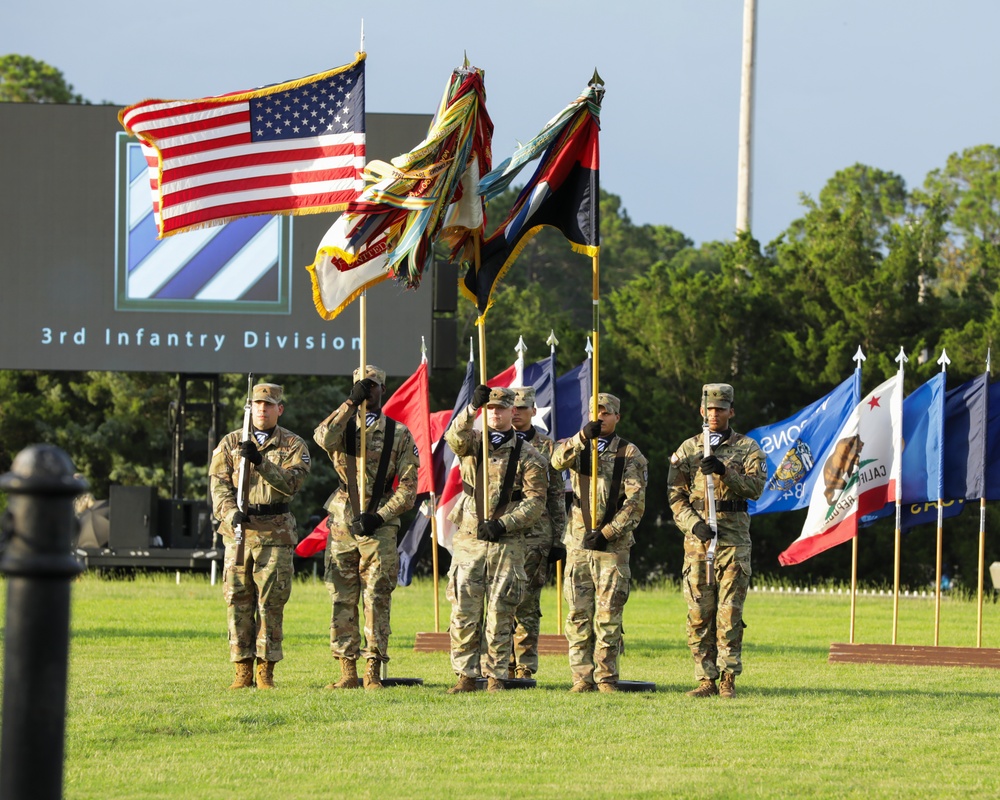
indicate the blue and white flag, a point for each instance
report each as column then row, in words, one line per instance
column 574, row 392
column 797, row 447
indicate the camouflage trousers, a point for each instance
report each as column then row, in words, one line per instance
column 485, row 578
column 361, row 568
column 528, row 615
column 255, row 595
column 596, row 588
column 715, row 613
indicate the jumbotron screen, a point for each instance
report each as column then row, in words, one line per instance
column 86, row 285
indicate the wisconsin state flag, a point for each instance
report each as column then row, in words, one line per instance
column 563, row 194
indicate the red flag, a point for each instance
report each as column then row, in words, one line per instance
column 410, row 404
column 315, row 541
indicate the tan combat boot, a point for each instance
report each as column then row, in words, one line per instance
column 265, row 674
column 244, row 674
column 348, row 675
column 465, row 684
column 373, row 675
column 494, row 685
column 727, row 686
column 706, row 688
column 607, row 686
column 522, row 673
column 582, row 686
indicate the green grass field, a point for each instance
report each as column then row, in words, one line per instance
column 149, row 715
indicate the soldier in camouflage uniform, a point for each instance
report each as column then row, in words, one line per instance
column 715, row 611
column 487, row 562
column 596, row 586
column 361, row 556
column 542, row 542
column 257, row 591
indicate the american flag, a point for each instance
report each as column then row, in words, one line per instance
column 291, row 148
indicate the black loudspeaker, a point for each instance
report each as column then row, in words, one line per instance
column 182, row 524
column 445, row 288
column 444, row 342
column 133, row 517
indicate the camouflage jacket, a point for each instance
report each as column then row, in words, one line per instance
column 404, row 461
column 746, row 474
column 631, row 500
column 279, row 476
column 530, row 481
column 551, row 524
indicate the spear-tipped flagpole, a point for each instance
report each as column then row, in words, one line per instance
column 483, row 476
column 859, row 358
column 552, row 342
column 944, row 361
column 901, row 359
column 713, row 520
column 432, row 508
column 982, row 540
column 520, row 348
column 363, row 408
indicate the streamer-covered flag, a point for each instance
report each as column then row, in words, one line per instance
column 417, row 197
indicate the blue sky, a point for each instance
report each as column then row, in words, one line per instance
column 896, row 85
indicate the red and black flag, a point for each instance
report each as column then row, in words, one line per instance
column 563, row 194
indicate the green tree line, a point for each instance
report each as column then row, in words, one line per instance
column 869, row 263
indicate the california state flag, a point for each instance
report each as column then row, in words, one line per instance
column 860, row 473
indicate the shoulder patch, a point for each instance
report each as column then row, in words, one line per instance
column 416, row 452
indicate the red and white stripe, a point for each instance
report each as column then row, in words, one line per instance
column 208, row 170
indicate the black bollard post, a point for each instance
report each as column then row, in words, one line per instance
column 39, row 564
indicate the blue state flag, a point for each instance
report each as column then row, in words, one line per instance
column 574, row 392
column 923, row 458
column 965, row 424
column 797, row 447
column 993, row 443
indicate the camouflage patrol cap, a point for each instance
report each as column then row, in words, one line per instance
column 524, row 397
column 376, row 374
column 717, row 395
column 502, row 397
column 269, row 393
column 610, row 402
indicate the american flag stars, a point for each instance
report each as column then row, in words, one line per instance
column 322, row 107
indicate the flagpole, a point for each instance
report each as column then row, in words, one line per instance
column 944, row 361
column 481, row 324
column 432, row 507
column 982, row 532
column 552, row 341
column 901, row 359
column 859, row 357
column 595, row 375
column 363, row 408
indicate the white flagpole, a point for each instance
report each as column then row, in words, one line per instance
column 859, row 358
column 944, row 361
column 897, row 444
column 520, row 348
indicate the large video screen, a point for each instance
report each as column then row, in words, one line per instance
column 86, row 285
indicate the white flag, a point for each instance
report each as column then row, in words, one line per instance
column 860, row 473
column 335, row 282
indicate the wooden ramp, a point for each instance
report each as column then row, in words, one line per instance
column 913, row 655
column 549, row 644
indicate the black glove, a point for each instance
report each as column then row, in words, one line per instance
column 361, row 391
column 480, row 395
column 239, row 518
column 249, row 451
column 703, row 531
column 594, row 540
column 712, row 465
column 592, row 429
column 366, row 524
column 490, row 530
column 557, row 553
